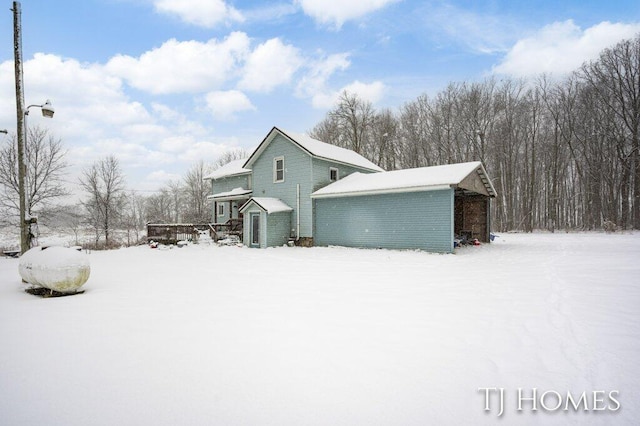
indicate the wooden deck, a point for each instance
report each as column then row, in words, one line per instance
column 171, row 233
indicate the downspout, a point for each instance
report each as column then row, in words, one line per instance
column 297, row 212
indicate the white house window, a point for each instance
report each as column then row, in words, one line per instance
column 220, row 209
column 333, row 174
column 278, row 169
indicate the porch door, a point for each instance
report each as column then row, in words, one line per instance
column 255, row 229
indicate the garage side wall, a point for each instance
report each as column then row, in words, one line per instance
column 411, row 220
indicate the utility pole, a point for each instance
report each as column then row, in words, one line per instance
column 22, row 167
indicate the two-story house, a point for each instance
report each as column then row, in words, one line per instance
column 271, row 190
column 295, row 188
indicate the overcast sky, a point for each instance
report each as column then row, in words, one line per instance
column 164, row 83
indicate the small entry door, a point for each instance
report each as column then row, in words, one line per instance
column 255, row 229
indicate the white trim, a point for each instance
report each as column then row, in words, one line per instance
column 334, row 169
column 383, row 191
column 253, row 236
column 275, row 169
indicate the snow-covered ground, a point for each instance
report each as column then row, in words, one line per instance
column 206, row 335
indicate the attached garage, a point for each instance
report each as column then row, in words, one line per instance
column 423, row 208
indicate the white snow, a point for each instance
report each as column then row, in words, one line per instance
column 57, row 268
column 232, row 168
column 422, row 178
column 317, row 149
column 209, row 335
column 235, row 192
column 269, row 204
column 331, row 152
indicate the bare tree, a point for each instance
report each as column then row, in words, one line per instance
column 196, row 190
column 384, row 146
column 46, row 167
column 105, row 184
column 133, row 219
column 614, row 79
column 348, row 125
column 66, row 218
column 159, row 207
column 416, row 148
column 563, row 153
column 228, row 156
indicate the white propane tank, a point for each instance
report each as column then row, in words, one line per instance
column 60, row 269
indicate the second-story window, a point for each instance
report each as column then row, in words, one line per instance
column 333, row 174
column 278, row 169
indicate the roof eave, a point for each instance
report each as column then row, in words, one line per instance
column 248, row 172
column 230, row 197
column 421, row 188
column 380, row 170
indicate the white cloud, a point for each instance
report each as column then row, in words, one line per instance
column 269, row 12
column 337, row 12
column 97, row 114
column 202, row 150
column 161, row 176
column 188, row 66
column 95, row 117
column 90, row 103
column 562, row 47
column 372, row 92
column 224, row 104
column 481, row 32
column 203, row 13
column 271, row 64
column 315, row 81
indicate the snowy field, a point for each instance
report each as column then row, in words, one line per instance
column 206, row 335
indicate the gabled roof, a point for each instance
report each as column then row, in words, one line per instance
column 316, row 149
column 232, row 168
column 267, row 204
column 470, row 176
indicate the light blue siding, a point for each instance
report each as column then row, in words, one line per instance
column 297, row 170
column 225, row 185
column 278, row 228
column 229, row 183
column 413, row 220
column 274, row 227
column 321, row 172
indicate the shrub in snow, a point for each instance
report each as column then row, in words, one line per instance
column 56, row 268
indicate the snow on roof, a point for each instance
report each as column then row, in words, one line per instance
column 232, row 168
column 235, row 192
column 419, row 179
column 331, row 152
column 268, row 204
column 317, row 149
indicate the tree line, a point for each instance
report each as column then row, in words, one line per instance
column 562, row 153
column 114, row 213
column 110, row 206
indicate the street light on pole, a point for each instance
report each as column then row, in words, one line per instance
column 29, row 221
column 47, row 109
column 22, row 112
